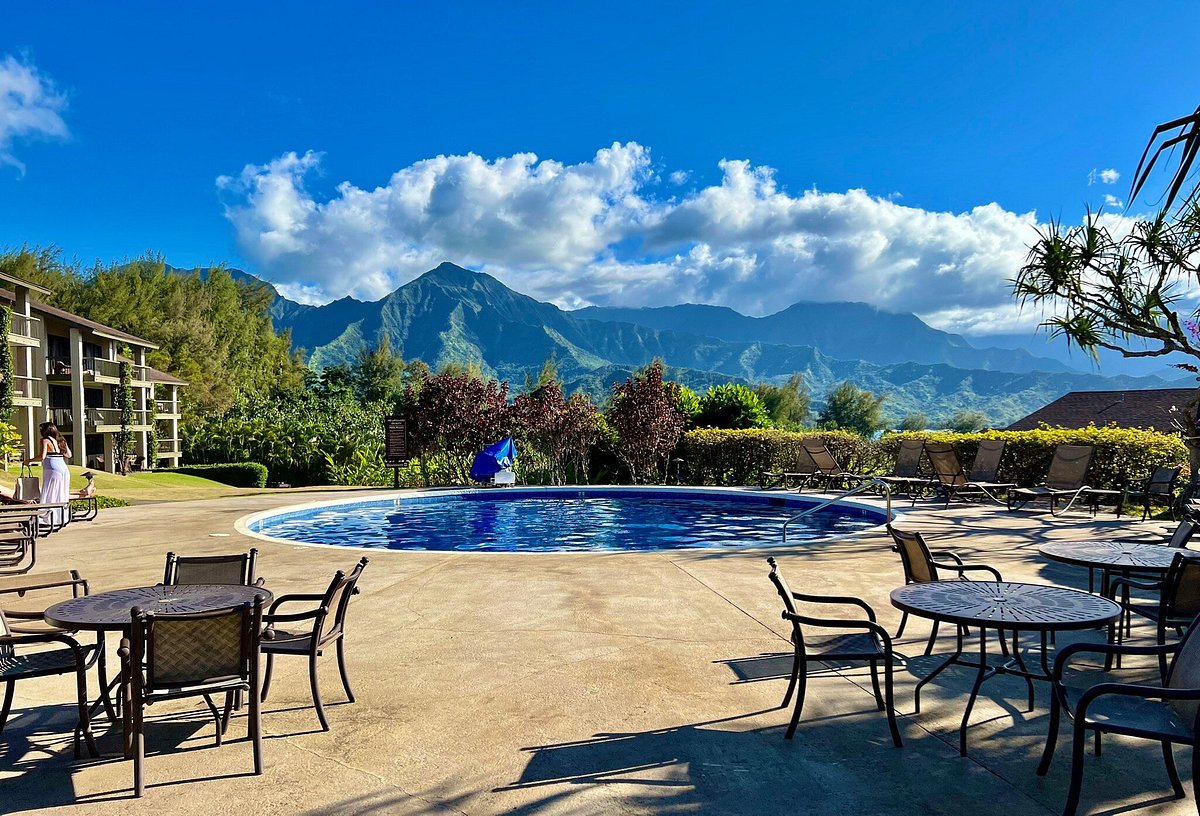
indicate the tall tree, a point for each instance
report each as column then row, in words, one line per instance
column 378, row 374
column 850, row 408
column 788, row 405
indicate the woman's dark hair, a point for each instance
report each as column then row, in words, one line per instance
column 49, row 430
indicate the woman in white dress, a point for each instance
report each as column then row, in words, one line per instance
column 56, row 479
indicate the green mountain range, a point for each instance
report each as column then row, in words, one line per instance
column 451, row 314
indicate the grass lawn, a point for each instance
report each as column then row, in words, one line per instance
column 152, row 486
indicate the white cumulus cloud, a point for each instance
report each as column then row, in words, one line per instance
column 30, row 106
column 595, row 233
column 1106, row 176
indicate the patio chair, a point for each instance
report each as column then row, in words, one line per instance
column 1160, row 485
column 871, row 643
column 18, row 542
column 1065, row 478
column 1166, row 712
column 827, row 468
column 174, row 656
column 23, row 598
column 1178, row 602
column 920, row 567
column 802, row 472
column 19, row 663
column 237, row 568
column 952, row 481
column 904, row 476
column 328, row 627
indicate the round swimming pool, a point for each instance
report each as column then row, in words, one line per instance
column 577, row 519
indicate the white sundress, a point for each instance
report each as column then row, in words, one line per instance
column 56, row 486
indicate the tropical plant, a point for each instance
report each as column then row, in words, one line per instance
column 555, row 434
column 852, row 409
column 688, row 406
column 124, row 397
column 966, row 421
column 643, row 415
column 731, row 406
column 456, row 415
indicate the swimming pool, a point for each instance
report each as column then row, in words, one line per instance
column 576, row 519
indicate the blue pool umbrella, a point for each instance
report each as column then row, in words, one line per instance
column 493, row 459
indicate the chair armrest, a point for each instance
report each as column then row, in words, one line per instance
column 282, row 599
column 19, row 640
column 1132, row 690
column 1067, row 652
column 837, row 623
column 1130, row 582
column 271, row 617
column 833, row 599
column 961, row 568
column 953, row 556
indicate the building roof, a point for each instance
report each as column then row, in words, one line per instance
column 156, row 376
column 15, row 281
column 1125, row 409
column 96, row 328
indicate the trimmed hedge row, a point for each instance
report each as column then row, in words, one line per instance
column 235, row 474
column 728, row 457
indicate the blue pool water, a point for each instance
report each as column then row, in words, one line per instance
column 558, row 520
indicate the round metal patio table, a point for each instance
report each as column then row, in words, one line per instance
column 1112, row 555
column 112, row 612
column 1003, row 607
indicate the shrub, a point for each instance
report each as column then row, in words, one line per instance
column 102, row 502
column 734, row 457
column 235, row 474
column 731, row 406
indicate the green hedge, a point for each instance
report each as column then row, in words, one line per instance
column 727, row 457
column 235, row 474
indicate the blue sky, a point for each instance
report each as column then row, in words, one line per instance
column 301, row 141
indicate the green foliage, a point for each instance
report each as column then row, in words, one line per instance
column 11, row 442
column 7, row 374
column 152, row 436
column 294, row 433
column 918, row 421
column 688, row 406
column 737, row 457
column 123, row 444
column 102, row 502
column 213, row 331
column 852, row 409
column 378, row 375
column 1123, row 455
column 788, row 405
column 965, row 421
column 731, row 406
column 457, row 415
column 235, row 474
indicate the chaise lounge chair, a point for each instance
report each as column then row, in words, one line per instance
column 904, row 476
column 1065, row 478
column 827, row 468
column 951, row 480
column 802, row 471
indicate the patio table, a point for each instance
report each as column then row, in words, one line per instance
column 1004, row 607
column 112, row 612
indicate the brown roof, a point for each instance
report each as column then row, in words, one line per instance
column 70, row 317
column 156, row 376
column 1126, row 409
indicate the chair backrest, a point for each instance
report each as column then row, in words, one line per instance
column 945, row 463
column 237, row 568
column 193, row 649
column 908, row 459
column 914, row 555
column 804, row 463
column 337, row 599
column 821, row 457
column 1069, row 467
column 1162, row 481
column 986, row 466
column 1182, row 534
column 35, row 591
column 1184, row 672
column 781, row 586
column 1179, row 603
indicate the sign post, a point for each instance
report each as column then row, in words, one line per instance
column 395, row 441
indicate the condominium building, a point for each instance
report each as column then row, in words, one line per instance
column 68, row 371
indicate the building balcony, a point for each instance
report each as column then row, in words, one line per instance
column 170, row 448
column 165, row 409
column 99, row 420
column 97, row 370
column 27, row 391
column 26, row 331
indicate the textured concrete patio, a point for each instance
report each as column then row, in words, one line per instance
column 577, row 683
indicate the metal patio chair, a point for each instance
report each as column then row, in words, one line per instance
column 905, row 475
column 950, row 480
column 1066, row 478
column 1160, row 486
column 328, row 626
column 871, row 643
column 1178, row 602
column 1166, row 712
column 237, row 568
column 174, row 656
column 920, row 567
column 827, row 468
column 803, row 470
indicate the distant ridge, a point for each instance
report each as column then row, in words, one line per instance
column 451, row 314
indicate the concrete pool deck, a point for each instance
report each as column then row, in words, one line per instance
column 578, row 683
